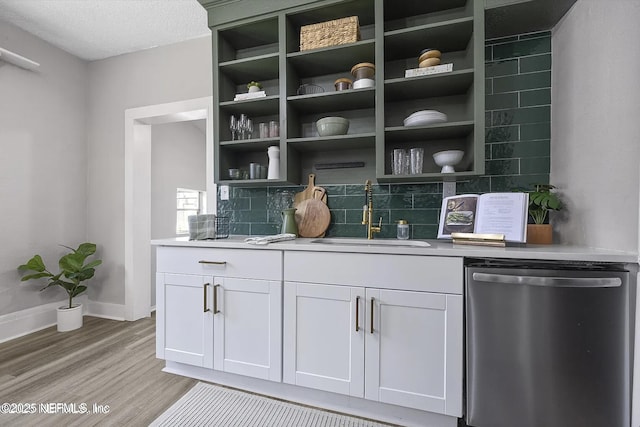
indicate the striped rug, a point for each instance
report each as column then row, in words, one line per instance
column 211, row 405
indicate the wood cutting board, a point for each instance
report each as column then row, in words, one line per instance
column 313, row 218
column 309, row 192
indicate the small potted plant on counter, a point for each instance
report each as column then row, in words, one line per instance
column 73, row 271
column 541, row 201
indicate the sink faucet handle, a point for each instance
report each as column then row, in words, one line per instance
column 380, row 223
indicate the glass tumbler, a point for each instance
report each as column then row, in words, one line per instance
column 399, row 159
column 264, row 130
column 274, row 129
column 417, row 160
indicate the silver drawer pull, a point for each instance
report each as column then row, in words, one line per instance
column 202, row 261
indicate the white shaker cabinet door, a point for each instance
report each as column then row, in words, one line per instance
column 248, row 334
column 324, row 337
column 184, row 322
column 414, row 352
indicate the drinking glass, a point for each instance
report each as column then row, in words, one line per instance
column 243, row 126
column 264, row 130
column 249, row 128
column 274, row 129
column 233, row 126
column 417, row 159
column 399, row 159
column 254, row 170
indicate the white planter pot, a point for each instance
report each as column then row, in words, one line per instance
column 69, row 318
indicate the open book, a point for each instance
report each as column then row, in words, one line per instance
column 490, row 213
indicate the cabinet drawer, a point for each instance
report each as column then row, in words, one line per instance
column 406, row 272
column 242, row 263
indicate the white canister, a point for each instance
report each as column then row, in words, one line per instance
column 274, row 162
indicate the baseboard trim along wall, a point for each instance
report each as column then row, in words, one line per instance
column 105, row 310
column 24, row 322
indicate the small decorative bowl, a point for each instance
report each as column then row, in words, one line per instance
column 330, row 126
column 448, row 159
column 309, row 89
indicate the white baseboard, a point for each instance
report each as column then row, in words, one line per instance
column 105, row 310
column 24, row 322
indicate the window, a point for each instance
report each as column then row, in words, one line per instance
column 189, row 202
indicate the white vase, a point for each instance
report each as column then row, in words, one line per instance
column 274, row 162
column 69, row 318
column 253, row 89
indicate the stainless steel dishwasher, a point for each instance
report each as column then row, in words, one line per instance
column 547, row 345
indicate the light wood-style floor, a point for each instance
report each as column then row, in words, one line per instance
column 106, row 362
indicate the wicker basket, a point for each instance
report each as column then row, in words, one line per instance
column 330, row 33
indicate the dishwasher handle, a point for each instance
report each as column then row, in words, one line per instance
column 557, row 282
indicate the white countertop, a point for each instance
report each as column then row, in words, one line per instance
column 436, row 248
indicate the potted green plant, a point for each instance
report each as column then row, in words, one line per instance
column 73, row 271
column 253, row 86
column 541, row 201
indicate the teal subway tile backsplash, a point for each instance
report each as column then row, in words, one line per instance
column 519, row 82
column 530, row 98
column 522, row 47
column 501, row 100
column 520, row 149
column 501, row 68
column 517, row 148
column 535, row 63
column 535, row 165
column 535, row 131
column 518, row 116
column 501, row 133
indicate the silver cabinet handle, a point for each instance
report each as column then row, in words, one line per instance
column 205, row 297
column 215, row 299
column 202, row 261
column 560, row 282
column 357, row 314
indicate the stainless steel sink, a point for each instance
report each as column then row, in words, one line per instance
column 374, row 242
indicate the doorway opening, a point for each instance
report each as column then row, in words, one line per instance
column 137, row 233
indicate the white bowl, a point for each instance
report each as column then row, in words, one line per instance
column 362, row 83
column 425, row 117
column 448, row 159
column 330, row 126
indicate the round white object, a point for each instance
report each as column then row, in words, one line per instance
column 362, row 83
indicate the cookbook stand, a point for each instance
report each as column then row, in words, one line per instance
column 479, row 239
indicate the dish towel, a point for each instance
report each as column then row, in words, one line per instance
column 270, row 239
column 202, row 226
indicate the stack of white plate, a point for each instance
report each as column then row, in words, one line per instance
column 425, row 117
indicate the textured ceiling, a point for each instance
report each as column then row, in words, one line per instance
column 98, row 29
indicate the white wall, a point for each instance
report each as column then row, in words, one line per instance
column 178, row 160
column 155, row 76
column 595, row 134
column 42, row 163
